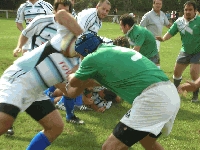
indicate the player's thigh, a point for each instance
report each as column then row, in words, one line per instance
column 113, row 143
column 149, row 142
column 8, row 114
column 45, row 113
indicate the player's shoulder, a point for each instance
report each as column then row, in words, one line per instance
column 23, row 5
column 149, row 13
column 88, row 12
column 46, row 4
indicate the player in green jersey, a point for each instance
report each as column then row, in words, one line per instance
column 189, row 28
column 137, row 80
column 141, row 39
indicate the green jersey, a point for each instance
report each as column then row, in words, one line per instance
column 139, row 36
column 189, row 32
column 122, row 70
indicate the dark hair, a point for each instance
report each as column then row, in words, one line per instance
column 63, row 2
column 127, row 19
column 189, row 3
column 121, row 41
column 109, row 95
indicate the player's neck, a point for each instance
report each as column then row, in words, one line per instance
column 157, row 11
column 33, row 1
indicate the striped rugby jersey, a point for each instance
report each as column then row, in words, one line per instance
column 28, row 11
column 45, row 65
column 89, row 20
column 41, row 29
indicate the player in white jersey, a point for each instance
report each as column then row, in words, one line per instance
column 91, row 19
column 23, row 83
column 28, row 11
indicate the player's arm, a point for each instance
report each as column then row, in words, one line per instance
column 167, row 36
column 66, row 19
column 137, row 48
column 21, row 41
column 19, row 26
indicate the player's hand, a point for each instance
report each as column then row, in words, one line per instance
column 188, row 86
column 159, row 38
column 102, row 109
column 16, row 51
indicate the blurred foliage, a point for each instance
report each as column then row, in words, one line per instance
column 121, row 5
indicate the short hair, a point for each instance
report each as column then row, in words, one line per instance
column 102, row 1
column 63, row 2
column 155, row 1
column 121, row 41
column 190, row 3
column 127, row 19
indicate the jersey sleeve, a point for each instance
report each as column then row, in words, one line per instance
column 166, row 21
column 139, row 40
column 87, row 69
column 49, row 8
column 32, row 28
column 173, row 29
column 20, row 14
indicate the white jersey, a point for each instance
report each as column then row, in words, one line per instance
column 45, row 65
column 41, row 29
column 28, row 11
column 89, row 20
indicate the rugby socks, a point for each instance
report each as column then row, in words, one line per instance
column 177, row 81
column 39, row 142
column 61, row 101
column 69, row 105
column 78, row 100
column 52, row 89
column 49, row 92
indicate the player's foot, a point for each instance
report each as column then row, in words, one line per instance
column 10, row 131
column 82, row 107
column 75, row 120
column 60, row 106
column 194, row 99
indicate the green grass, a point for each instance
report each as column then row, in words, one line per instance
column 184, row 136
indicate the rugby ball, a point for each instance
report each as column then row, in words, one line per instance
column 68, row 45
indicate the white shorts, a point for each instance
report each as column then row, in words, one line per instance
column 16, row 90
column 158, row 45
column 154, row 110
column 27, row 46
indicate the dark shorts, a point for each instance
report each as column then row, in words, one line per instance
column 129, row 136
column 36, row 110
column 185, row 58
column 155, row 59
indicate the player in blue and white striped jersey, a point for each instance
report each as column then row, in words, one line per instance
column 91, row 19
column 28, row 11
column 23, row 83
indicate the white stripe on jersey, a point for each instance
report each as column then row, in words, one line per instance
column 27, row 11
column 42, row 29
column 89, row 20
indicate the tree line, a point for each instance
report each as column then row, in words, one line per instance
column 121, row 5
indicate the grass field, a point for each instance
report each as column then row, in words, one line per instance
column 184, row 136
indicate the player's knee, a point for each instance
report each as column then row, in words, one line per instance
column 6, row 122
